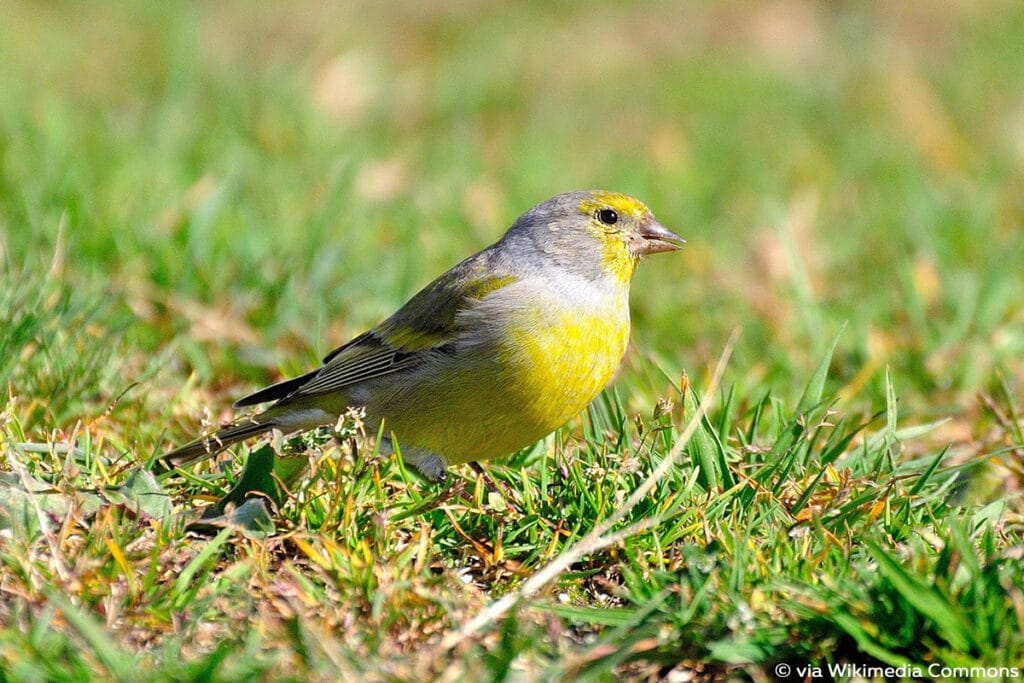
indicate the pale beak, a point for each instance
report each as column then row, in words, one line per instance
column 654, row 238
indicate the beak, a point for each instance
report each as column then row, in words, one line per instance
column 655, row 238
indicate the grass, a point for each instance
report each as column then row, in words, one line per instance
column 196, row 200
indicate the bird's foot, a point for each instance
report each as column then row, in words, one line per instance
column 431, row 465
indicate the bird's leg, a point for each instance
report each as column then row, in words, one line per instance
column 431, row 465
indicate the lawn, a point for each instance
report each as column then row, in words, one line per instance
column 197, row 199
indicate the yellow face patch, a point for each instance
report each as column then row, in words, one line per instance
column 621, row 203
column 615, row 256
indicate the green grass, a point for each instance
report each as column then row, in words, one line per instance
column 199, row 199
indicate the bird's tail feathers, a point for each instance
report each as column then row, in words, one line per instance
column 215, row 443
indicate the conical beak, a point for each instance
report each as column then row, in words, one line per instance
column 655, row 238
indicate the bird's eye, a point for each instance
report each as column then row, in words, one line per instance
column 607, row 216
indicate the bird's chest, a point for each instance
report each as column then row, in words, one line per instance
column 557, row 353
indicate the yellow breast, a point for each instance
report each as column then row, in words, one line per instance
column 528, row 376
column 561, row 360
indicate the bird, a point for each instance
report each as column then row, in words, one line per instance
column 492, row 356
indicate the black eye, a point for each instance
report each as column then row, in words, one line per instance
column 607, row 216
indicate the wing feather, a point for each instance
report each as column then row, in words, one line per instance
column 427, row 324
column 354, row 364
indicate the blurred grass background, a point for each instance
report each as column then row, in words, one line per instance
column 226, row 191
column 264, row 179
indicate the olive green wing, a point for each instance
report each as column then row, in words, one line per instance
column 427, row 323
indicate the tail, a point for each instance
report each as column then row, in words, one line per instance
column 214, row 443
